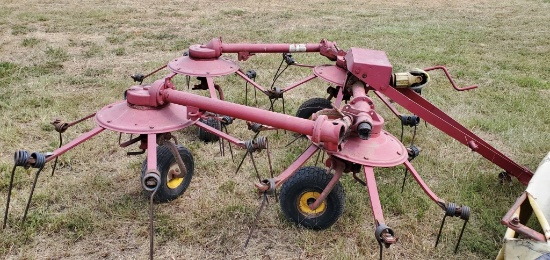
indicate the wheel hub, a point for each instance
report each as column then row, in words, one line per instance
column 307, row 198
column 175, row 176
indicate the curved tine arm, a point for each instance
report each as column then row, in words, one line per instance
column 424, row 186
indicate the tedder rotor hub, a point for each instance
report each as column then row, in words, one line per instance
column 143, row 113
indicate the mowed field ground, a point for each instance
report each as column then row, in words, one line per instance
column 67, row 59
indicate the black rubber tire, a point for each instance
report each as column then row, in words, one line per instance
column 311, row 106
column 302, row 183
column 165, row 160
column 207, row 136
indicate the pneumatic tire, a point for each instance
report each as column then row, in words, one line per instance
column 301, row 190
column 171, row 187
column 311, row 106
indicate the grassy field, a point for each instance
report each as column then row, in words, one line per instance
column 67, row 59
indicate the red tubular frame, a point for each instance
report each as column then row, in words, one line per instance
column 324, row 131
column 416, row 104
column 70, row 145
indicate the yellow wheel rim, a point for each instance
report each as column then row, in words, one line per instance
column 307, row 198
column 171, row 181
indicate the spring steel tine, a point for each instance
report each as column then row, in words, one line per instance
column 460, row 237
column 240, row 164
column 283, row 99
column 54, row 166
column 151, row 224
column 270, row 165
column 271, row 107
column 381, row 249
column 294, row 140
column 246, row 93
column 404, row 179
column 464, row 215
column 9, row 196
column 255, row 168
column 20, row 158
column 253, row 227
column 221, row 145
column 440, row 229
column 31, row 194
column 318, row 155
column 229, row 143
column 255, row 97
column 40, row 161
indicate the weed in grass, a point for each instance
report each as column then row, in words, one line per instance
column 30, row 42
column 93, row 51
column 119, row 51
column 58, row 54
column 7, row 69
column 21, row 30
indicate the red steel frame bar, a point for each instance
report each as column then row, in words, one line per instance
column 375, row 204
column 414, row 103
column 70, row 145
column 151, row 152
column 388, row 104
column 294, row 124
column 424, row 186
column 281, row 178
column 221, row 134
column 269, row 48
column 253, row 83
column 299, row 83
column 338, row 171
column 259, row 87
column 514, row 223
column 212, row 88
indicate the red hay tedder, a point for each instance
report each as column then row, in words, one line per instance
column 345, row 126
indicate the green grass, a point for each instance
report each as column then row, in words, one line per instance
column 68, row 60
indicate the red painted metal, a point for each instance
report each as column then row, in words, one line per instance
column 253, row 83
column 382, row 151
column 375, row 204
column 338, row 167
column 450, row 78
column 370, row 66
column 331, row 73
column 294, row 85
column 151, row 152
column 70, row 145
column 424, row 186
column 121, row 117
column 514, row 223
column 326, row 131
column 413, row 102
column 221, row 134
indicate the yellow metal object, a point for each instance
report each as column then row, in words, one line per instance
column 413, row 79
column 306, row 199
column 172, row 181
